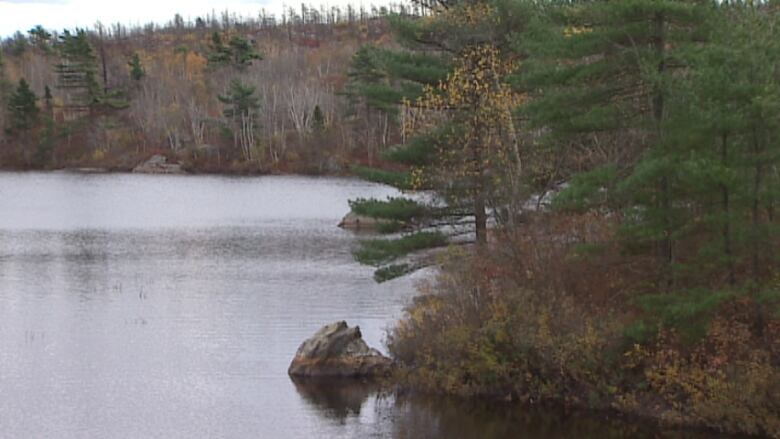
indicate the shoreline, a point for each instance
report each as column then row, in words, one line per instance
column 185, row 173
column 609, row 414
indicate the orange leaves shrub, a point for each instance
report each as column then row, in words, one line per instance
column 482, row 329
column 728, row 381
column 541, row 316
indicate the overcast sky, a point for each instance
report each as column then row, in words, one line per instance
column 22, row 15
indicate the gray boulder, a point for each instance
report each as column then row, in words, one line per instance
column 158, row 164
column 338, row 351
column 354, row 221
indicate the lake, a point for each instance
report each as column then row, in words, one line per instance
column 136, row 306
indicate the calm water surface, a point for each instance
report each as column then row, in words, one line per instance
column 164, row 307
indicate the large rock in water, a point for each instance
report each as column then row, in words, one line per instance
column 158, row 164
column 338, row 351
column 354, row 221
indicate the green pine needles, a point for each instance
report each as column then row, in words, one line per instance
column 398, row 209
column 378, row 252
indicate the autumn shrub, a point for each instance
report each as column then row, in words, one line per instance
column 471, row 335
column 729, row 380
column 552, row 312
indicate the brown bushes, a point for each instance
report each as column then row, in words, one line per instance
column 544, row 317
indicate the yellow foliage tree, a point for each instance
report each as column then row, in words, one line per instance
column 479, row 151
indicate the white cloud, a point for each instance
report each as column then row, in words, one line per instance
column 21, row 15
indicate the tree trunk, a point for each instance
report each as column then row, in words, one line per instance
column 727, row 250
column 480, row 217
column 756, row 259
column 665, row 247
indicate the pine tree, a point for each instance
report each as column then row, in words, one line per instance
column 241, row 111
column 243, row 52
column 730, row 115
column 136, row 69
column 76, row 73
column 219, row 53
column 23, row 112
column 365, row 77
column 40, row 37
column 458, row 109
column 604, row 70
column 239, row 53
column 48, row 99
column 376, row 98
column 5, row 85
column 19, row 44
column 5, row 90
column 318, row 119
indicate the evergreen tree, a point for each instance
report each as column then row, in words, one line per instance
column 238, row 53
column 136, row 69
column 40, row 37
column 382, row 79
column 76, row 73
column 728, row 115
column 463, row 140
column 241, row 111
column 600, row 73
column 243, row 52
column 219, row 53
column 368, row 84
column 19, row 44
column 48, row 99
column 23, row 112
column 5, row 85
column 5, row 90
column 318, row 119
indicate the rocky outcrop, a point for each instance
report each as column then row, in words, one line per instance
column 338, row 351
column 354, row 221
column 158, row 164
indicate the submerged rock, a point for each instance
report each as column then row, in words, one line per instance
column 158, row 164
column 354, row 221
column 338, row 351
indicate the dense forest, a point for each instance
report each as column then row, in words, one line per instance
column 222, row 93
column 602, row 176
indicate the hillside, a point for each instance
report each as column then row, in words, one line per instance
column 166, row 90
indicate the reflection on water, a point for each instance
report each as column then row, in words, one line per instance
column 445, row 418
column 162, row 307
column 338, row 399
column 413, row 416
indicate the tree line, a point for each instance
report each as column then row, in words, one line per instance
column 221, row 93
